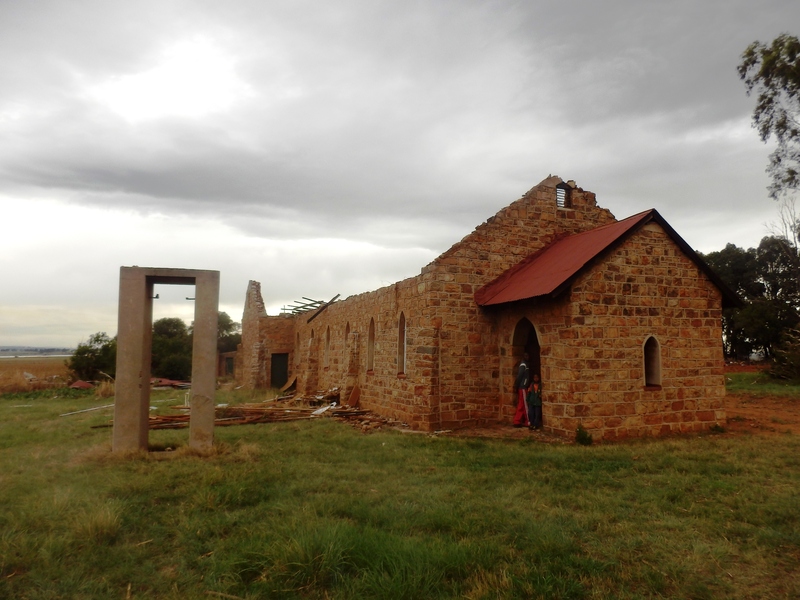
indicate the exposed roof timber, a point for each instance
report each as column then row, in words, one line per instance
column 297, row 306
column 323, row 307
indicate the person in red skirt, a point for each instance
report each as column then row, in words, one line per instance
column 521, row 384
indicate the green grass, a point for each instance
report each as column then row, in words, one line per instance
column 760, row 383
column 316, row 509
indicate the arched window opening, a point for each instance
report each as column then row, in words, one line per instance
column 652, row 363
column 326, row 356
column 401, row 344
column 346, row 333
column 371, row 346
column 563, row 199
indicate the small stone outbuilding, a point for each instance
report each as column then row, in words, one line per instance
column 622, row 319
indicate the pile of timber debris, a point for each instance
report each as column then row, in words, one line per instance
column 284, row 408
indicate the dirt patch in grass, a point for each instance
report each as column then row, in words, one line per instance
column 762, row 414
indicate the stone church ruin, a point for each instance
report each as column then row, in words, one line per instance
column 622, row 319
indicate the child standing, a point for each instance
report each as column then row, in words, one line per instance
column 534, row 401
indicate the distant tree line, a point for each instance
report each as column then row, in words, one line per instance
column 767, row 279
column 171, row 350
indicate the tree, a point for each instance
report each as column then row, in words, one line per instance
column 94, row 358
column 774, row 73
column 779, row 270
column 739, row 270
column 171, row 349
column 767, row 278
column 229, row 333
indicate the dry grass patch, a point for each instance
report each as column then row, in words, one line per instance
column 32, row 373
column 105, row 389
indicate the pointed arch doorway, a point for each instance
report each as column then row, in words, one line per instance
column 526, row 340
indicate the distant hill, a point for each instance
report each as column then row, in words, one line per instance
column 33, row 351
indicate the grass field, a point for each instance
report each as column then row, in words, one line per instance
column 316, row 509
column 756, row 382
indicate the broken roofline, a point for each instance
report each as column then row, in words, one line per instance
column 551, row 270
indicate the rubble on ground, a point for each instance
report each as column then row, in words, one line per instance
column 291, row 407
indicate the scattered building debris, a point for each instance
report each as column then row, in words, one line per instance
column 81, row 385
column 75, row 412
column 161, row 383
column 354, row 397
column 287, row 386
column 322, row 404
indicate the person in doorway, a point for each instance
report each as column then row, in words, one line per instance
column 535, row 403
column 521, row 384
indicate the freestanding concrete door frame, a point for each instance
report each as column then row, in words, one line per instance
column 134, row 348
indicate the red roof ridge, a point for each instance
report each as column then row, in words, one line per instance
column 546, row 271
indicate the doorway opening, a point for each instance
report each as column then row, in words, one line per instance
column 526, row 340
column 279, row 370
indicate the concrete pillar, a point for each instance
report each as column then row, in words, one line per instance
column 134, row 344
column 134, row 340
column 204, row 361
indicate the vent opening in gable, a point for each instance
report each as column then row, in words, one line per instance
column 563, row 196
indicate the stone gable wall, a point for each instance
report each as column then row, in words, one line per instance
column 520, row 229
column 593, row 344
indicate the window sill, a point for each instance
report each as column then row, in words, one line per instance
column 401, row 375
column 370, row 372
column 652, row 388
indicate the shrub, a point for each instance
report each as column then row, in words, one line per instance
column 583, row 437
column 98, row 355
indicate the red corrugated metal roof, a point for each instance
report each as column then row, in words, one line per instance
column 545, row 272
column 549, row 271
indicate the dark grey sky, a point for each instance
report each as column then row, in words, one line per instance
column 327, row 148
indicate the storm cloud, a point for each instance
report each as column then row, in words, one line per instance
column 327, row 148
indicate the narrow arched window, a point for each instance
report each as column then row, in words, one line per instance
column 346, row 334
column 371, row 346
column 652, row 363
column 326, row 357
column 401, row 344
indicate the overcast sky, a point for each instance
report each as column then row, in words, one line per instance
column 327, row 148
